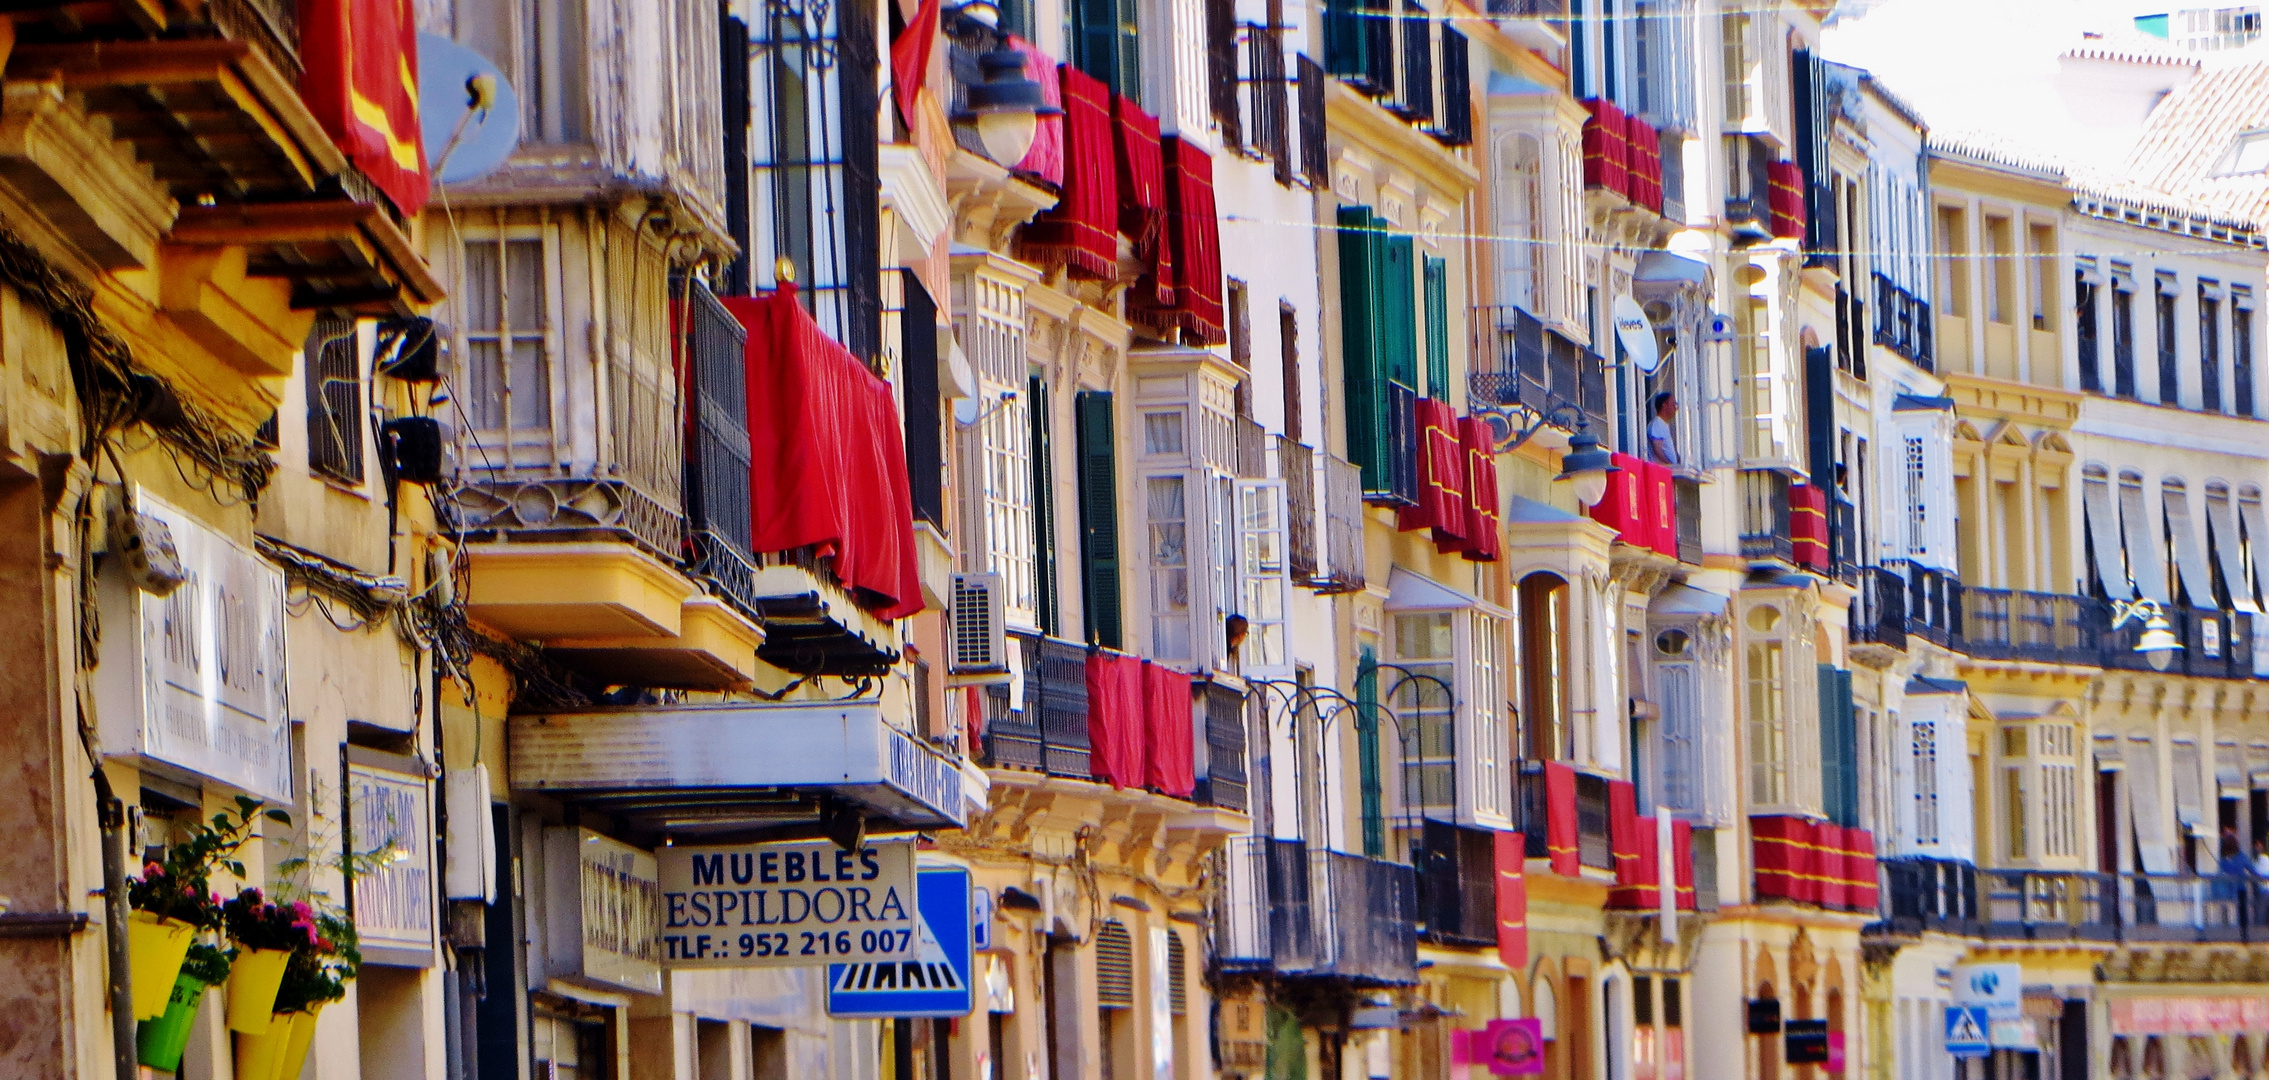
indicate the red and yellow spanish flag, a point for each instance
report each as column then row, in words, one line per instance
column 361, row 58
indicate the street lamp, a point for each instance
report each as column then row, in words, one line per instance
column 1006, row 107
column 2157, row 643
column 1587, row 465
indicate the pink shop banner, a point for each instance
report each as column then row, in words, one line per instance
column 2188, row 1015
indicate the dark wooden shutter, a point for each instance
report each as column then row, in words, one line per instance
column 1416, row 102
column 1315, row 150
column 1098, row 518
column 1456, row 125
column 1221, row 70
column 1270, row 94
column 1114, row 966
column 1043, row 506
column 1095, row 39
column 734, row 116
column 1346, row 42
column 1376, row 22
column 1437, row 328
column 918, row 374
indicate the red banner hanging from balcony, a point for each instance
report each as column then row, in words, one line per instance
column 1682, row 854
column 1828, row 864
column 360, row 79
column 1662, row 494
column 1192, row 243
column 1786, row 861
column 1643, row 147
column 1628, row 507
column 1142, row 199
column 1859, row 870
column 1808, row 524
column 1560, row 819
column 1785, row 194
column 827, row 455
column 1623, row 842
column 1511, row 857
column 1171, row 755
column 1441, row 502
column 1117, row 728
column 1607, row 151
column 1081, row 233
column 1482, row 542
column 1045, row 160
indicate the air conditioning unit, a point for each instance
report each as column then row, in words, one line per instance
column 980, row 646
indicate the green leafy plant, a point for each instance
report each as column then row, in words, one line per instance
column 208, row 964
column 179, row 886
column 319, row 970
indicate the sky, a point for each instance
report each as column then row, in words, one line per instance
column 1977, row 64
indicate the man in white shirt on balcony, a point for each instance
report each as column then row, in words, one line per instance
column 1662, row 448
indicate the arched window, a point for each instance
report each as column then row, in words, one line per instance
column 1544, row 665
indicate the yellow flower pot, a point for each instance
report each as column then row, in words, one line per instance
column 155, row 948
column 252, row 984
column 295, row 1052
column 261, row 1056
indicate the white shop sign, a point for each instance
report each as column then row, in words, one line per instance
column 390, row 810
column 195, row 680
column 603, row 911
column 794, row 903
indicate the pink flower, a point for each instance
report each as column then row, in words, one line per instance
column 300, row 908
column 151, row 869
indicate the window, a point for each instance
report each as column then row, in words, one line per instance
column 1449, row 705
column 1288, row 345
column 2040, row 252
column 1263, row 578
column 1739, row 95
column 2013, row 811
column 335, row 418
column 1918, row 501
column 552, row 74
column 2000, row 277
column 816, row 166
column 1168, row 511
column 1954, row 269
column 1544, row 665
column 1106, row 44
column 996, row 452
column 1240, row 320
column 2084, row 315
column 2122, row 334
column 1099, row 519
column 1520, row 219
column 2209, row 346
column 2170, row 372
column 2241, row 350
column 507, row 396
column 2060, row 779
column 2248, row 153
column 1925, row 782
column 1768, row 725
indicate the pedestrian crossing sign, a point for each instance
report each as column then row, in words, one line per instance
column 937, row 981
column 1966, row 1031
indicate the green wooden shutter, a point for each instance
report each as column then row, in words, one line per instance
column 1098, row 519
column 1367, row 751
column 1437, row 328
column 1095, row 39
column 1398, row 295
column 1043, row 507
column 1359, row 318
column 1839, row 748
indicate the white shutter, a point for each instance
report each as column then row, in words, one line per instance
column 1682, row 776
column 2103, row 529
column 2146, row 561
column 1264, row 581
column 2152, row 849
column 2229, row 549
column 2189, row 556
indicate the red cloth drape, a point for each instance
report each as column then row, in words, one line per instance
column 1511, row 857
column 1172, row 765
column 827, row 455
column 1682, row 852
column 1117, row 738
column 1142, row 198
column 1808, row 524
column 1785, row 198
column 910, row 58
column 1607, row 153
column 1644, row 146
column 1638, row 880
column 1441, row 502
column 1045, row 161
column 1482, row 542
column 1081, row 232
column 1786, row 856
column 1623, row 830
column 1623, row 508
column 1663, row 499
column 1828, row 863
column 359, row 78
column 1560, row 819
column 1859, row 870
column 1183, row 290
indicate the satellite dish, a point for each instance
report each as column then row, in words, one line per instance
column 466, row 138
column 1636, row 334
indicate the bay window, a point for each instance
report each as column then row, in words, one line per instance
column 1781, row 711
column 994, row 437
column 1446, row 689
column 508, row 304
column 1213, row 537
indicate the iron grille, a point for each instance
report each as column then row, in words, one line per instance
column 334, row 399
column 717, row 468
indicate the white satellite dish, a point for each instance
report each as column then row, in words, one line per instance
column 470, row 115
column 1637, row 334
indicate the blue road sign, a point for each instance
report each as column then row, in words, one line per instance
column 1967, row 1031
column 981, row 912
column 938, row 981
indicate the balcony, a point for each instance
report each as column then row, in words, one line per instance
column 1689, row 493
column 1934, row 602
column 1879, row 613
column 1766, row 525
column 1456, row 870
column 1049, row 735
column 1285, row 909
column 2037, row 905
column 1568, row 826
column 1342, row 568
column 1296, row 466
column 1902, row 323
column 2053, row 628
column 724, row 769
column 1921, row 895
column 1519, row 363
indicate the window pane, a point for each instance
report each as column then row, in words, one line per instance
column 531, row 385
column 479, row 292
column 484, row 392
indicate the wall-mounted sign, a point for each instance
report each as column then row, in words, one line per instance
column 1996, row 988
column 937, row 981
column 1636, row 332
column 1764, row 1016
column 602, row 912
column 1806, row 1041
column 198, row 676
column 390, row 815
column 1966, row 1031
column 793, row 903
